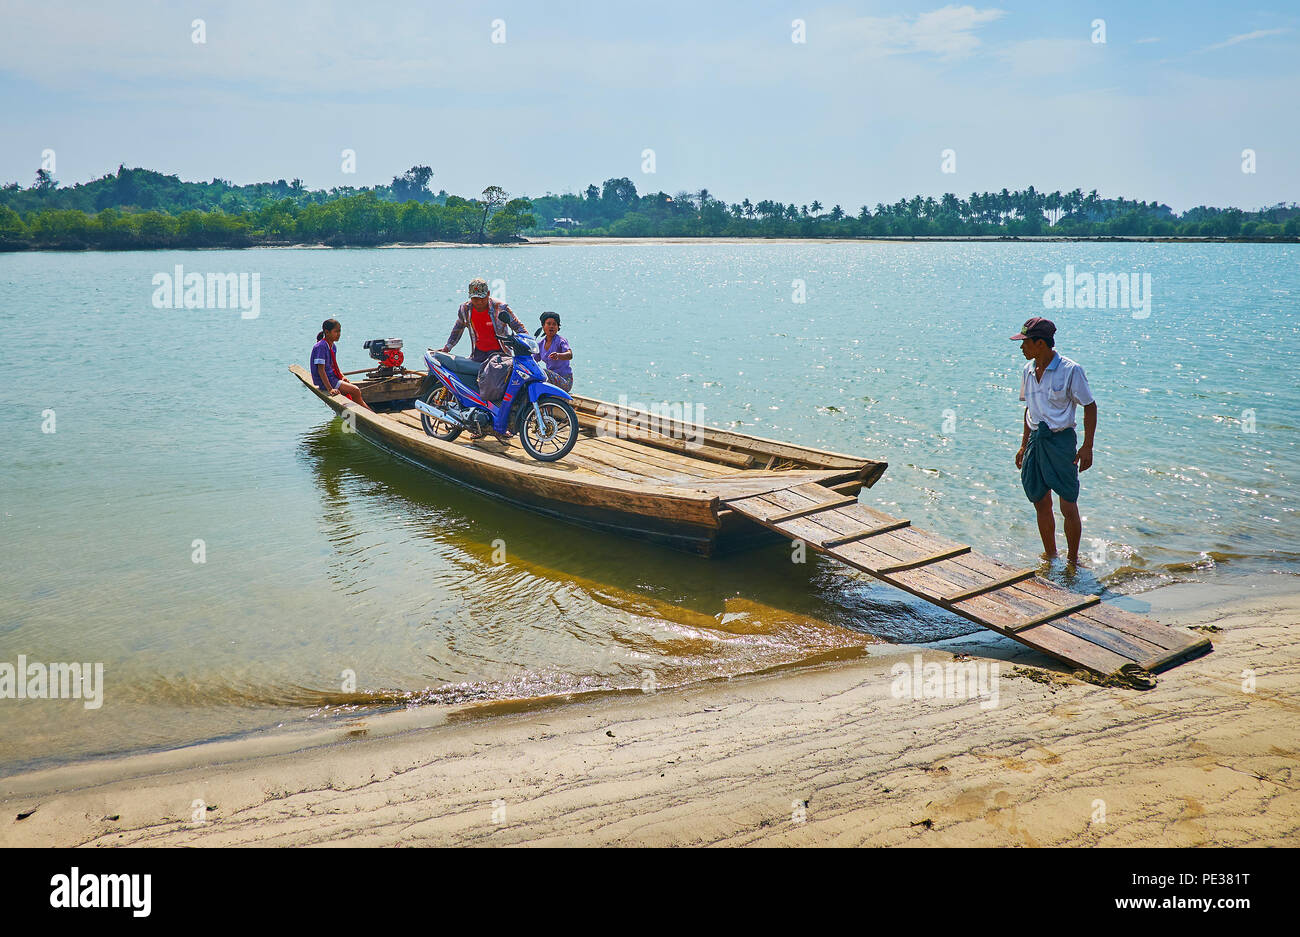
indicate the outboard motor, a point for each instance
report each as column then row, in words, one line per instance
column 388, row 352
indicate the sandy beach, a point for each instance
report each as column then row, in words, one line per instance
column 825, row 755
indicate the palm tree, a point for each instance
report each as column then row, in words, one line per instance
column 816, row 206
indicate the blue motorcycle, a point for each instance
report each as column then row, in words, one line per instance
column 449, row 403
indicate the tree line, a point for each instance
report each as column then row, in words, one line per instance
column 615, row 210
column 141, row 209
column 138, row 209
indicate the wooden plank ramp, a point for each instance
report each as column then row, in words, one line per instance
column 1073, row 628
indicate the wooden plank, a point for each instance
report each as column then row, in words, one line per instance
column 815, row 508
column 813, row 529
column 654, row 471
column 602, row 469
column 662, row 457
column 1031, row 596
column 648, row 472
column 862, row 534
column 886, row 549
column 1057, row 613
column 702, row 452
column 1148, row 630
column 1195, row 648
column 930, row 583
column 690, row 466
column 751, row 485
column 924, row 560
column 1134, row 649
column 1108, row 649
column 990, row 586
column 741, row 442
column 978, row 588
column 1108, row 617
column 1073, row 650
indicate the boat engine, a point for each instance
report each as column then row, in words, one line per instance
column 388, row 352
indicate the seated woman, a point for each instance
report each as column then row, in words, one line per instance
column 325, row 368
column 554, row 353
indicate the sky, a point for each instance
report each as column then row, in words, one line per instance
column 551, row 95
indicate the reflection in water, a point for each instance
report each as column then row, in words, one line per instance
column 572, row 609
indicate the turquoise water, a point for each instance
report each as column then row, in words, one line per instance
column 323, row 555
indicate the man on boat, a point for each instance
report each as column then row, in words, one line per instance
column 1052, row 386
column 482, row 315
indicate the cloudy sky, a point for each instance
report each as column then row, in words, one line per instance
column 859, row 112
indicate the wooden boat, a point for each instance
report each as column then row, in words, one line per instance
column 709, row 490
column 667, row 486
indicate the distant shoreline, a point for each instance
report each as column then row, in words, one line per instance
column 623, row 241
column 974, row 238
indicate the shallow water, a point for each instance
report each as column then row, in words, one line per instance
column 324, row 555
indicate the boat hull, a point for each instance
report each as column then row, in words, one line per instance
column 648, row 522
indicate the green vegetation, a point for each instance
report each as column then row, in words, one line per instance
column 615, row 210
column 140, row 209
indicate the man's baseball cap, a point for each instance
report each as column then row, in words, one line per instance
column 478, row 287
column 1035, row 328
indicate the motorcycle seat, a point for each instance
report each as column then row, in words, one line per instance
column 466, row 369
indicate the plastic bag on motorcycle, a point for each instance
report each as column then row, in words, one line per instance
column 493, row 377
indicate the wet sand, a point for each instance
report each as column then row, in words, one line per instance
column 819, row 756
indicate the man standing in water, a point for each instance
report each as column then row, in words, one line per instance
column 1052, row 387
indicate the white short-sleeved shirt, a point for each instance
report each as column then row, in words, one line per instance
column 1053, row 399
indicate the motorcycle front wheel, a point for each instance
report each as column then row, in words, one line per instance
column 440, row 398
column 557, row 433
